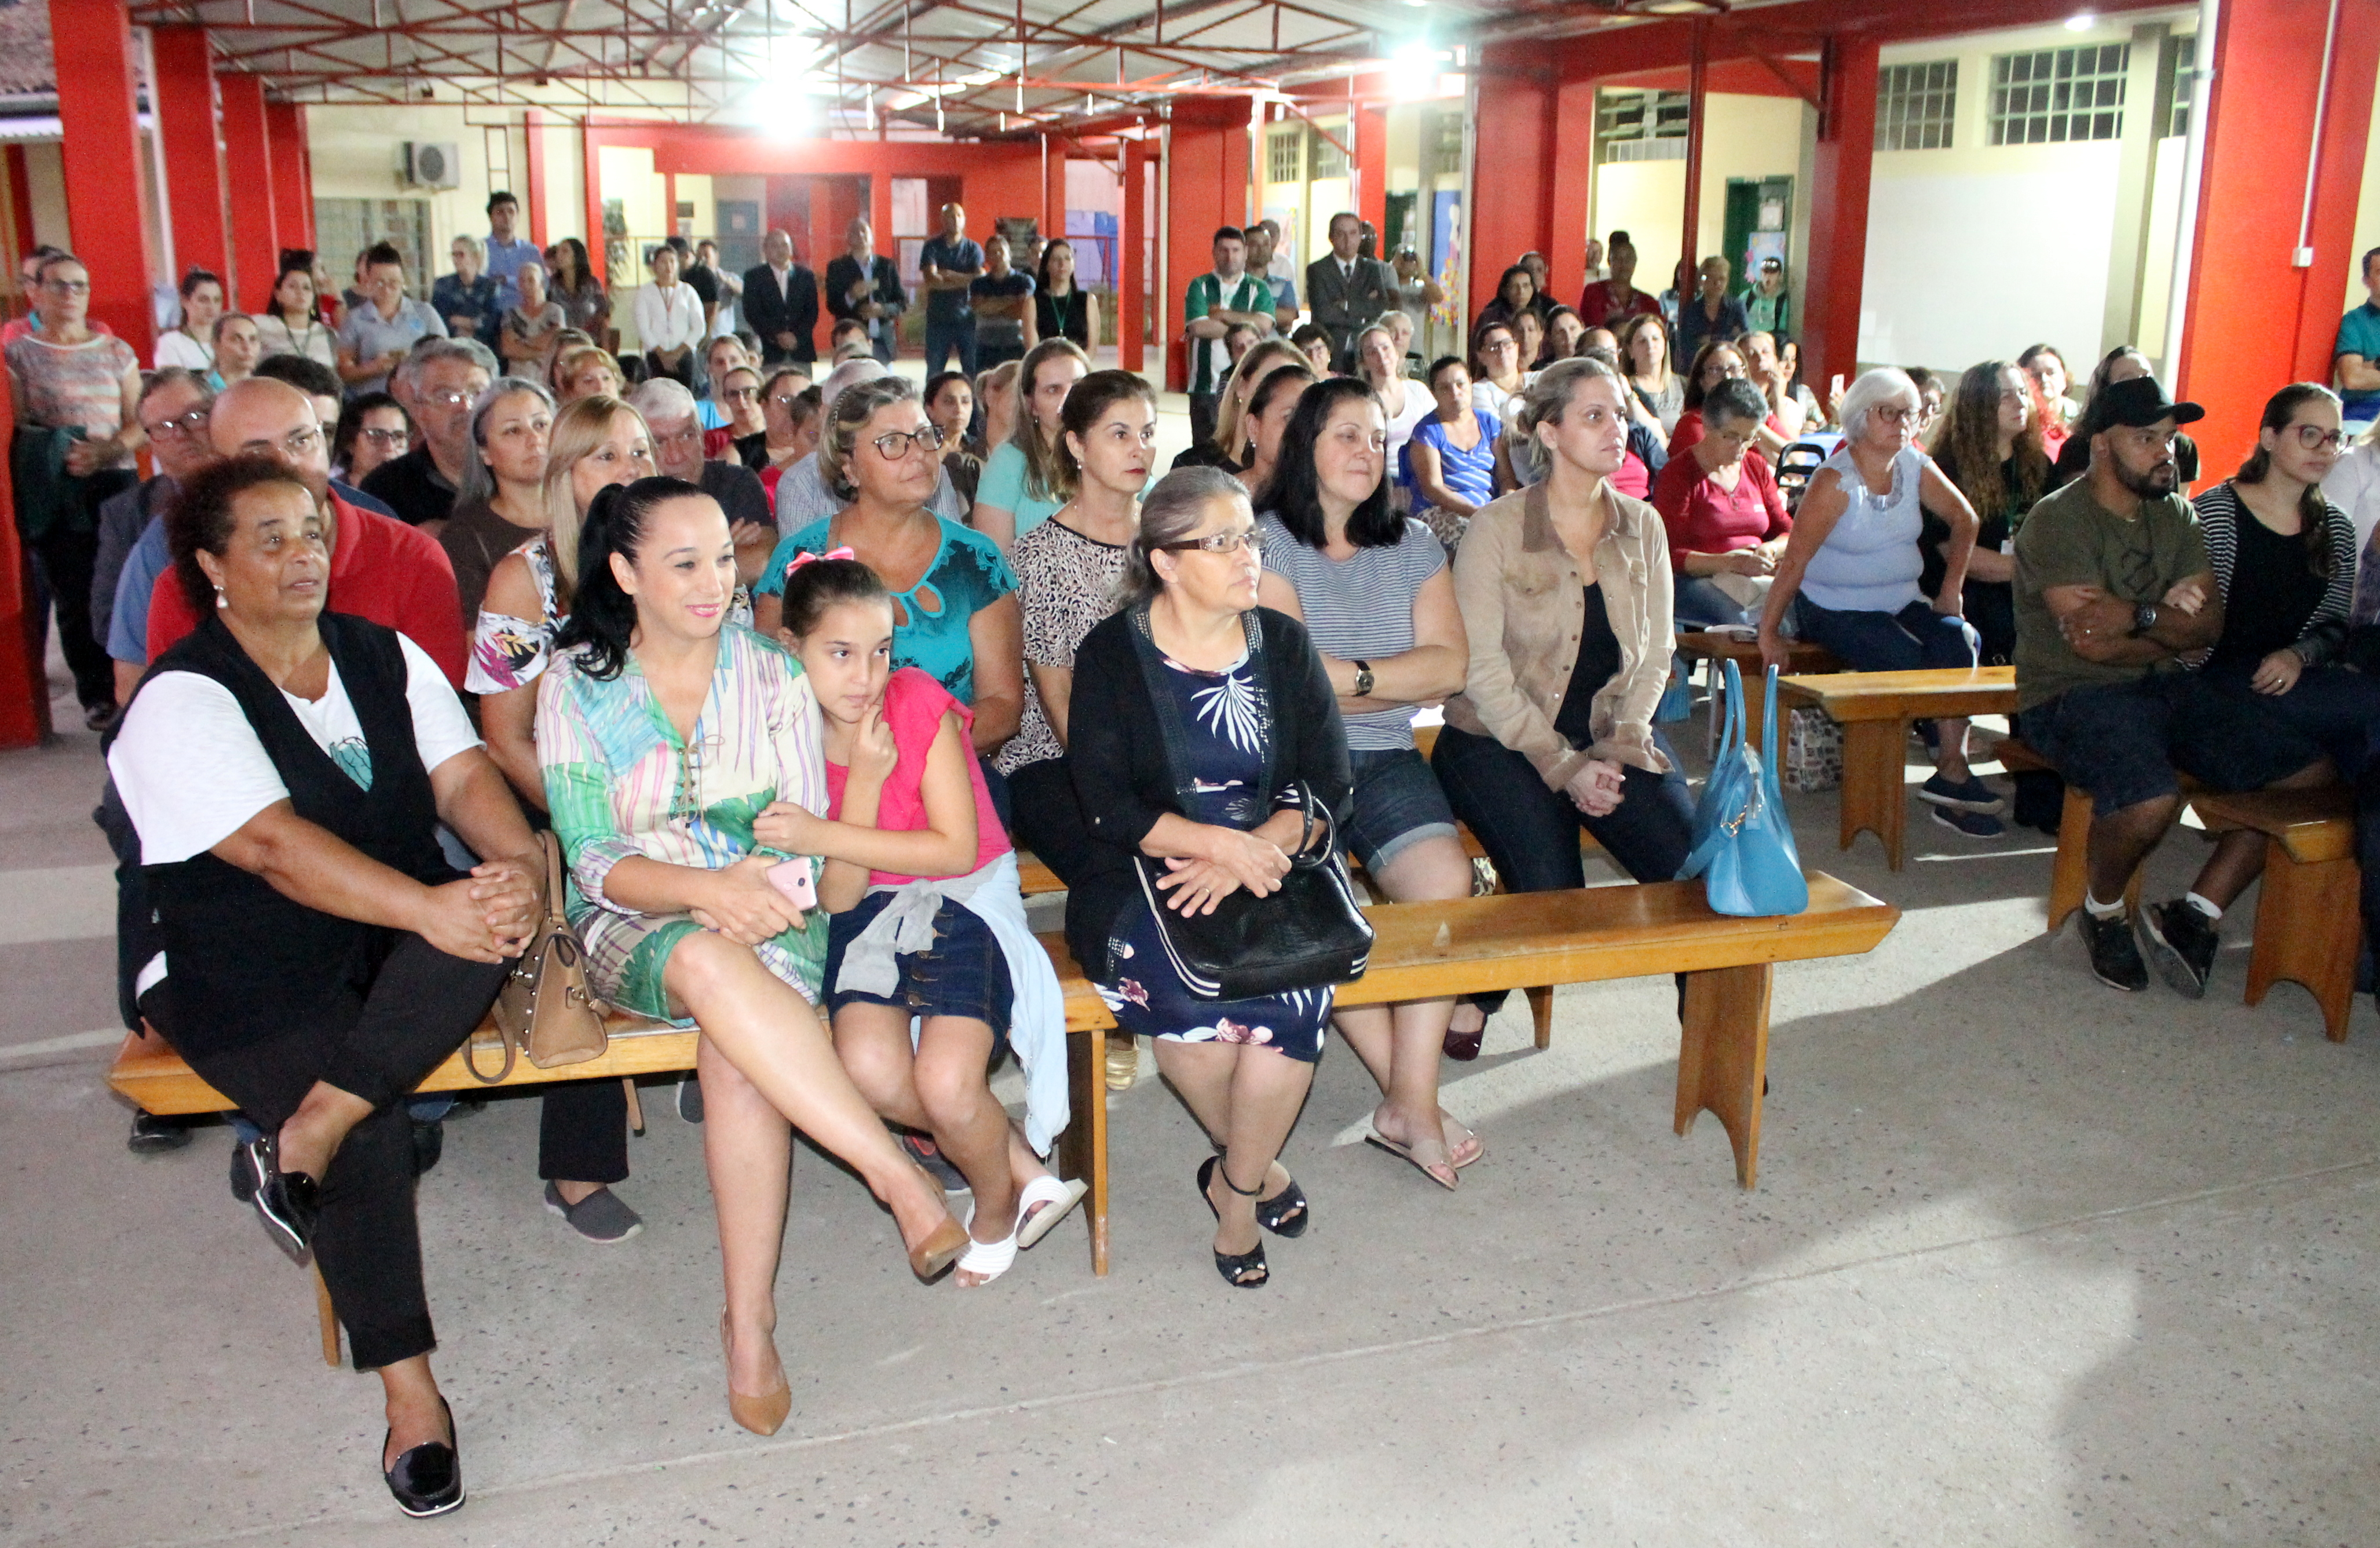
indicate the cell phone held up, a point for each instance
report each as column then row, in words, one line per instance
column 794, row 883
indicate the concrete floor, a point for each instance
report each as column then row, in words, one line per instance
column 2030, row 1263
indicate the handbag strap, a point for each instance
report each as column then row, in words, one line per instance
column 554, row 913
column 512, row 1053
column 1310, row 855
column 1769, row 742
column 1732, row 735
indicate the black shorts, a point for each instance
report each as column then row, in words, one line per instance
column 2124, row 741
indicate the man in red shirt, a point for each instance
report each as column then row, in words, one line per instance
column 381, row 569
column 1610, row 303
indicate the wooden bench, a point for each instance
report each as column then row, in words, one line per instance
column 1426, row 950
column 1710, row 645
column 2310, row 919
column 1875, row 710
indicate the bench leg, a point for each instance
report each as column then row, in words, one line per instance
column 2070, row 874
column 1541, row 1012
column 1083, row 1149
column 2309, row 929
column 1874, row 794
column 1723, row 1056
column 330, row 1318
column 636, row 1104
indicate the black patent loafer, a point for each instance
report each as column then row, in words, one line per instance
column 155, row 1136
column 289, row 1203
column 428, row 1480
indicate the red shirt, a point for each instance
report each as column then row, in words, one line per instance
column 1704, row 517
column 914, row 707
column 383, row 570
column 1596, row 305
column 1632, row 478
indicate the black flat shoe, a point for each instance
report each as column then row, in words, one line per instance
column 428, row 1480
column 1242, row 1271
column 154, row 1136
column 289, row 1203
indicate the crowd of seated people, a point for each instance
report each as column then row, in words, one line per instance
column 881, row 640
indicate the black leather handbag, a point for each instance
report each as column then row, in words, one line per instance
column 1308, row 933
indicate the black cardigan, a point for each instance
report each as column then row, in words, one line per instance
column 1116, row 752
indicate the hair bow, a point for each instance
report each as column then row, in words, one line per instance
column 805, row 556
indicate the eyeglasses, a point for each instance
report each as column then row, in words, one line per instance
column 786, row 400
column 746, row 395
column 1219, row 542
column 191, row 424
column 450, row 398
column 895, row 445
column 386, row 440
column 68, row 286
column 1890, row 414
column 2314, row 438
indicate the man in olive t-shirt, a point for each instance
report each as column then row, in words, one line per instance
column 2113, row 589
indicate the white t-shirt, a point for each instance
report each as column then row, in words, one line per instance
column 177, row 348
column 191, row 770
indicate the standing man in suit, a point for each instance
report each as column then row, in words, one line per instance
column 1345, row 291
column 863, row 285
column 781, row 304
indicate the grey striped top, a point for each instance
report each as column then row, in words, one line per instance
column 1361, row 609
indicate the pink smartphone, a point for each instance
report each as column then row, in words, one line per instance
column 793, row 879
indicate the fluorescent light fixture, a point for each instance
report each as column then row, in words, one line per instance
column 1414, row 70
column 2081, row 21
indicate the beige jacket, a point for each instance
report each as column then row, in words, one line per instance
column 1524, row 605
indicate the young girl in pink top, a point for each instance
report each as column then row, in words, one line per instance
column 930, row 968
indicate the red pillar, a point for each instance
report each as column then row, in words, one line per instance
column 1697, row 98
column 1512, row 177
column 1830, row 302
column 1132, row 267
column 92, row 42
column 1371, row 142
column 1574, row 187
column 292, row 192
column 1207, row 187
column 2256, row 320
column 21, row 200
column 193, row 145
column 534, row 120
column 1053, row 190
column 248, row 166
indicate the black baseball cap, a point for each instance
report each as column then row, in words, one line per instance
column 2140, row 403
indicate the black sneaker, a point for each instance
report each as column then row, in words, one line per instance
column 2182, row 942
column 925, row 1154
column 2115, row 960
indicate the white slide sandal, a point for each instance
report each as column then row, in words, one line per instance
column 1044, row 1203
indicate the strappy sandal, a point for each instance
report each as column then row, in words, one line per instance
column 990, row 1259
column 1285, row 1214
column 1242, row 1271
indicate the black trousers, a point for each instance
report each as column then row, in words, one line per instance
column 1049, row 817
column 70, row 555
column 1531, row 832
column 582, row 1132
column 379, row 1045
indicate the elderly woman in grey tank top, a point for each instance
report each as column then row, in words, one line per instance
column 1849, row 574
column 1373, row 591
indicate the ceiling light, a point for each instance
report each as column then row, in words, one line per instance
column 2081, row 21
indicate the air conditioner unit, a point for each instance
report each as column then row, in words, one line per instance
column 433, row 166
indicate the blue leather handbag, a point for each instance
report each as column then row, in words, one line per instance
column 1744, row 843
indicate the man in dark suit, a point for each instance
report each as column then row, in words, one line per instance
column 863, row 285
column 1345, row 291
column 780, row 303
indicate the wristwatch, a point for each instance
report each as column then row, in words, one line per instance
column 1363, row 680
column 2144, row 618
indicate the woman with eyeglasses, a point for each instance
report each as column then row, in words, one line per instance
column 373, row 428
column 1718, row 360
column 83, row 388
column 1019, row 488
column 739, row 394
column 663, row 732
column 954, row 609
column 1258, row 719
column 1495, row 368
column 1849, row 579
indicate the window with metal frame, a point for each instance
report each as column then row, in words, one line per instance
column 2058, row 95
column 1915, row 105
column 1284, row 154
column 2185, row 82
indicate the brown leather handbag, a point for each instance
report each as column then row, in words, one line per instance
column 546, row 1007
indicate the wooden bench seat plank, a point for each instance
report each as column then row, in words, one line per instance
column 2314, row 826
column 1875, row 710
column 2310, row 916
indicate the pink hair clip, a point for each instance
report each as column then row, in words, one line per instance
column 805, row 556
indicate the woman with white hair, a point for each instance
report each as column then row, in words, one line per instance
column 1849, row 577
column 669, row 413
column 531, row 330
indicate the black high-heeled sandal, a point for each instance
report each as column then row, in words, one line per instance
column 1242, row 1271
column 1286, row 1213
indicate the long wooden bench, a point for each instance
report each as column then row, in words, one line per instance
column 1425, row 950
column 2310, row 916
column 1875, row 710
column 1801, row 659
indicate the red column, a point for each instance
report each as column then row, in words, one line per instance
column 1370, row 126
column 21, row 200
column 248, row 166
column 1697, row 98
column 1512, row 178
column 292, row 192
column 1574, row 187
column 1208, row 184
column 535, row 135
column 1132, row 266
column 1830, row 298
column 92, row 42
column 590, row 183
column 2256, row 320
column 24, row 683
column 192, row 139
column 1053, row 190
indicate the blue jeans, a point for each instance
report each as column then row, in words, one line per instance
column 1699, row 602
column 941, row 338
column 1913, row 639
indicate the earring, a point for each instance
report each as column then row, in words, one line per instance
column 221, row 601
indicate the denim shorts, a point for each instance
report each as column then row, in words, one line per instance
column 1397, row 804
column 2123, row 741
column 963, row 973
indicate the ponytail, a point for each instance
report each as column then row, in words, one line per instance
column 603, row 616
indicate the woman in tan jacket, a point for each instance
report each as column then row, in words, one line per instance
column 1565, row 590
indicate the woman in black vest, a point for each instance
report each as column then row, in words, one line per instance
column 286, row 770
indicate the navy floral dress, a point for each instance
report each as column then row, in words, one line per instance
column 1227, row 737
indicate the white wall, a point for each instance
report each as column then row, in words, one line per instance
column 1976, row 250
column 1742, row 137
column 2367, row 212
column 356, row 154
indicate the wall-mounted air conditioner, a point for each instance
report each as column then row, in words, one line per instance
column 433, row 166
